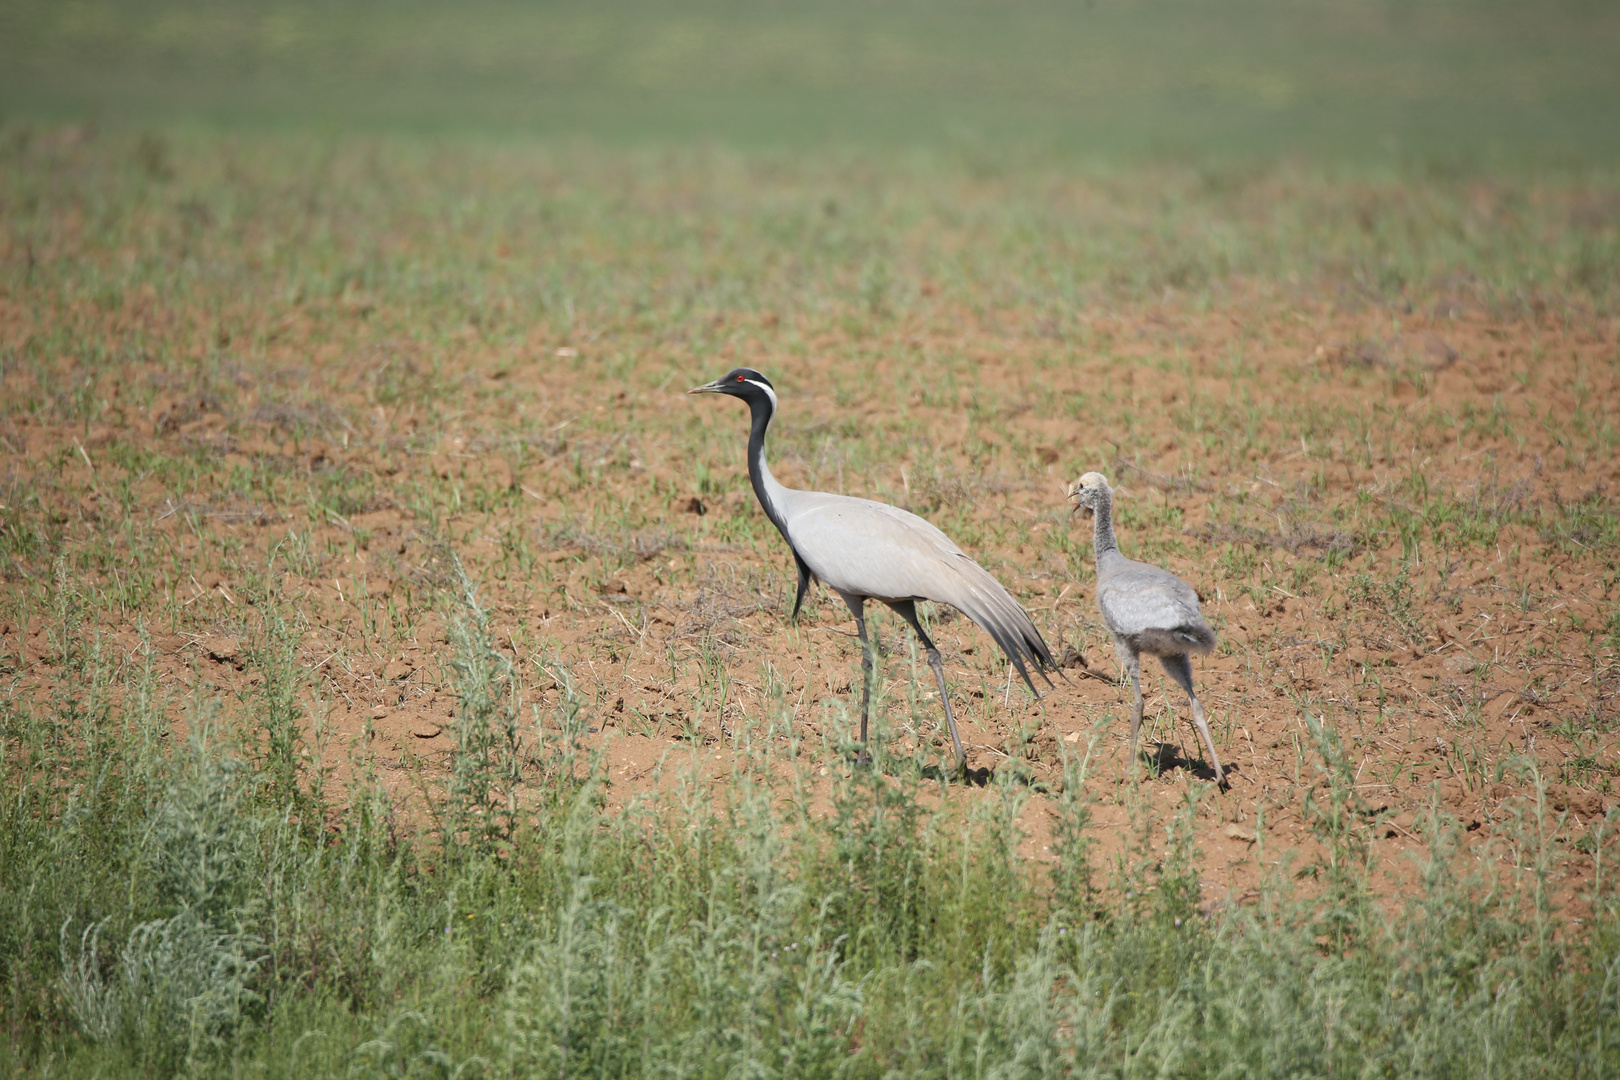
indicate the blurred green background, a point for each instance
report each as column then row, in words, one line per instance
column 1470, row 80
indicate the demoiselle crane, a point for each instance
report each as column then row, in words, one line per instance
column 1148, row 610
column 865, row 550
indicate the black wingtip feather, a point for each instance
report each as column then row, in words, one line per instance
column 804, row 585
column 1009, row 625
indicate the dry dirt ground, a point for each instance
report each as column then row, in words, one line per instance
column 1304, row 470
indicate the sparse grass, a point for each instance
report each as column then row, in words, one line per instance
column 167, row 911
column 1453, row 83
column 395, row 676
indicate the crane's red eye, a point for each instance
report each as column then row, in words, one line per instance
column 741, row 379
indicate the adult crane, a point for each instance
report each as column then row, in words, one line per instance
column 1148, row 610
column 865, row 550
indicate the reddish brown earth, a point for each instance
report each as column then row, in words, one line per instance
column 1318, row 423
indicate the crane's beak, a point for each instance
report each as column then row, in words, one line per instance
column 706, row 388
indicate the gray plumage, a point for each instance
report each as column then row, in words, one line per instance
column 865, row 550
column 1148, row 610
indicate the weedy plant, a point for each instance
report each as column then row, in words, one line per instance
column 193, row 883
column 167, row 911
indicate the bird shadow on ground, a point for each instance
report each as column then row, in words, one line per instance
column 1168, row 756
column 895, row 766
column 971, row 777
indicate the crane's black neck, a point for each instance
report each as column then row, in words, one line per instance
column 765, row 486
column 1103, row 541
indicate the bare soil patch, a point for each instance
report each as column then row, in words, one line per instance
column 1403, row 526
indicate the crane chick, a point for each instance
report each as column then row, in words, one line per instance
column 865, row 550
column 1148, row 610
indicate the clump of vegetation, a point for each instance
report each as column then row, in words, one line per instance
column 352, row 526
column 168, row 910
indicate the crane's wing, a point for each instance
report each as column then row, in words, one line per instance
column 872, row 549
column 1154, row 608
column 979, row 596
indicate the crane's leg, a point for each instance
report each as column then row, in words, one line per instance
column 1203, row 730
column 1180, row 669
column 1130, row 663
column 907, row 610
column 857, row 608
